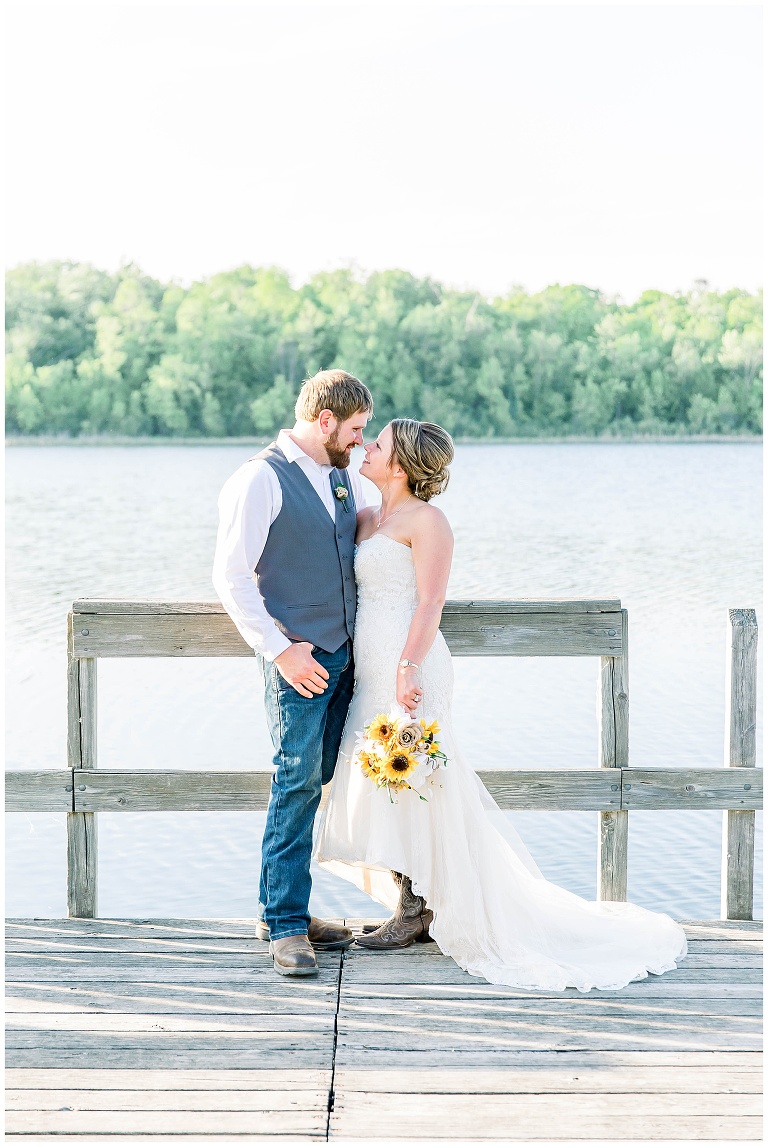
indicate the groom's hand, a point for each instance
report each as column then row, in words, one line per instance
column 299, row 668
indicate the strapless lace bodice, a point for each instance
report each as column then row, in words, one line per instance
column 386, row 601
column 385, row 574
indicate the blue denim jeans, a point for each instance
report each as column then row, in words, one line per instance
column 306, row 733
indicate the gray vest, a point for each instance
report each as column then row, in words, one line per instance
column 306, row 572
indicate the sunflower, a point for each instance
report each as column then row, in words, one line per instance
column 430, row 730
column 381, row 728
column 397, row 767
column 370, row 766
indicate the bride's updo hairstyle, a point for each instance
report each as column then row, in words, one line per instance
column 425, row 451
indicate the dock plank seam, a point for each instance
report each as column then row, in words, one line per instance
column 331, row 1087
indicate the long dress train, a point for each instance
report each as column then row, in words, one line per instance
column 494, row 912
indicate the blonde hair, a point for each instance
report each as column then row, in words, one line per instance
column 425, row 451
column 334, row 390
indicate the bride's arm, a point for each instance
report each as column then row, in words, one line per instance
column 432, row 550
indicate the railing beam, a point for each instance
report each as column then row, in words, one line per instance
column 555, row 790
column 471, row 629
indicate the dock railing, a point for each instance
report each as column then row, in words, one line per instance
column 580, row 628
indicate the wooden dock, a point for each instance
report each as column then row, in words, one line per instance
column 168, row 1031
column 179, row 1030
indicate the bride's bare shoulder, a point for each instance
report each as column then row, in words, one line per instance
column 431, row 521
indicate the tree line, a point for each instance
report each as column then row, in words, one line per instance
column 94, row 353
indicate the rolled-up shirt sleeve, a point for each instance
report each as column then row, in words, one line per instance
column 358, row 490
column 248, row 505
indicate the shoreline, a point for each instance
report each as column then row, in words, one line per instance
column 574, row 439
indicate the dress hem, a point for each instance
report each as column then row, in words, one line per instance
column 491, row 973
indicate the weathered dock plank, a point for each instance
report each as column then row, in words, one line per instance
column 101, row 1099
column 295, row 1038
column 193, row 928
column 500, row 1012
column 166, row 999
column 139, row 1122
column 157, row 1022
column 419, row 973
column 147, row 1058
column 115, row 1079
column 559, row 1076
column 547, row 1117
column 167, row 1140
column 140, row 974
column 218, row 946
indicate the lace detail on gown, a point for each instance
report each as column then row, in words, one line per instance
column 494, row 912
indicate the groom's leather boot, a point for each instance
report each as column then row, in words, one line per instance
column 409, row 923
column 293, row 956
column 322, row 935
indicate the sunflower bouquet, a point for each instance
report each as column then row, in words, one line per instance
column 399, row 752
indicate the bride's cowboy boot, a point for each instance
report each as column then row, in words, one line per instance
column 409, row 923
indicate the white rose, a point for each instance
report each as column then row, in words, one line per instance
column 419, row 775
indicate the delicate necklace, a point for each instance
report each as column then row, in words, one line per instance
column 380, row 522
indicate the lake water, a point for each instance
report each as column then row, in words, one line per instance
column 671, row 529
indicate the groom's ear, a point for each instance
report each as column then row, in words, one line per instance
column 328, row 421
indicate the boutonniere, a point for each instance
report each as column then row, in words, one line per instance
column 342, row 493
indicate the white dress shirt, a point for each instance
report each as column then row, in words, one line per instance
column 248, row 504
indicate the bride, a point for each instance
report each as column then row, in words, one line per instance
column 450, row 866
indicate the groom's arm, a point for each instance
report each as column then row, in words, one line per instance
column 248, row 505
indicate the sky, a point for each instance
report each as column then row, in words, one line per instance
column 486, row 146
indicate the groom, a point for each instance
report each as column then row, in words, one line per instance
column 284, row 572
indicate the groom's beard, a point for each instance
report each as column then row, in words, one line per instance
column 338, row 456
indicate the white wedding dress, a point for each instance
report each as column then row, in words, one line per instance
column 494, row 912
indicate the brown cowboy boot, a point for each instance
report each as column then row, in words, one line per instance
column 322, row 935
column 293, row 956
column 409, row 923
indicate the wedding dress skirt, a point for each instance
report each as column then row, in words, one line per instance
column 494, row 912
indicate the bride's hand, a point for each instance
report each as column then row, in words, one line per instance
column 408, row 689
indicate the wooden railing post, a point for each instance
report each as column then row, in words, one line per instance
column 82, row 857
column 736, row 888
column 614, row 754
